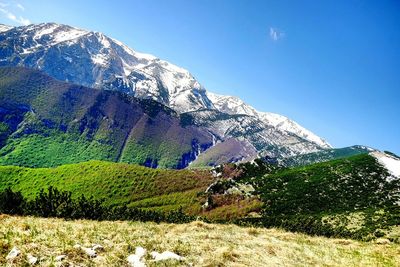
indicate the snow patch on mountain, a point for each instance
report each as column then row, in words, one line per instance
column 100, row 59
column 4, row 28
column 233, row 105
column 285, row 124
column 46, row 30
column 133, row 53
column 391, row 163
column 56, row 32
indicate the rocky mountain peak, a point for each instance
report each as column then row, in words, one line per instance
column 95, row 60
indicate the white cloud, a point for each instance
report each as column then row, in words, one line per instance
column 276, row 34
column 20, row 6
column 4, row 4
column 24, row 21
column 14, row 18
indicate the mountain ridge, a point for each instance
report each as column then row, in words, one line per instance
column 95, row 60
column 45, row 122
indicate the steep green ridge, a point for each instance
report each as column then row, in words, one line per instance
column 116, row 183
column 352, row 197
column 47, row 123
column 324, row 155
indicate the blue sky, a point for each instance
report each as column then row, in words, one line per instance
column 332, row 66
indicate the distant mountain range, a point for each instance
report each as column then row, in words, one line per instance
column 94, row 60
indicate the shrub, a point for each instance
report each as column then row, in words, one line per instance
column 11, row 202
column 56, row 203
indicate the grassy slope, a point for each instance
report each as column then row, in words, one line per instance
column 117, row 183
column 121, row 183
column 201, row 244
column 36, row 150
column 324, row 155
column 351, row 183
column 354, row 193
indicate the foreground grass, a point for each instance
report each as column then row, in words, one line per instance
column 200, row 243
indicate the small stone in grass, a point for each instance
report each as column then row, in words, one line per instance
column 137, row 259
column 32, row 260
column 13, row 253
column 61, row 257
column 97, row 247
column 166, row 255
column 140, row 252
column 90, row 252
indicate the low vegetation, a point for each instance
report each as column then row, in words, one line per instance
column 116, row 183
column 353, row 197
column 120, row 184
column 55, row 203
column 324, row 155
column 200, row 243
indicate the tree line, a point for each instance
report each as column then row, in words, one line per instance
column 60, row 204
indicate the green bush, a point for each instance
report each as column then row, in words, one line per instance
column 11, row 202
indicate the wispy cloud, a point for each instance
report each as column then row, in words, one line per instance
column 20, row 6
column 13, row 17
column 276, row 34
column 5, row 10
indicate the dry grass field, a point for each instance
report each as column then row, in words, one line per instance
column 201, row 244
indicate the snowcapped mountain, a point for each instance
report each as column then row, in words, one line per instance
column 92, row 59
column 233, row 105
column 95, row 60
column 266, row 139
column 4, row 28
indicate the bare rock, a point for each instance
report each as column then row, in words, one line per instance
column 140, row 252
column 61, row 257
column 90, row 252
column 137, row 259
column 166, row 255
column 13, row 253
column 32, row 260
column 97, row 247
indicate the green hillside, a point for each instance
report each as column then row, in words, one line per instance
column 353, row 197
column 116, row 183
column 324, row 155
column 47, row 123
